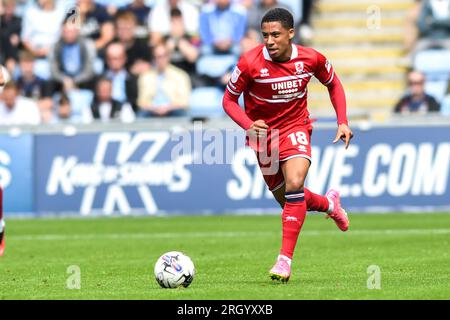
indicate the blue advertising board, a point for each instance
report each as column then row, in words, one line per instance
column 211, row 171
column 16, row 173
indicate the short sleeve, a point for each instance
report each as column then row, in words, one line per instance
column 240, row 78
column 324, row 70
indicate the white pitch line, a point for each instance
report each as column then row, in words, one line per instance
column 212, row 235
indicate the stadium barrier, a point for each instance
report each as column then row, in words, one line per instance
column 184, row 168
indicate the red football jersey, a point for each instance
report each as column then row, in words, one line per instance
column 276, row 91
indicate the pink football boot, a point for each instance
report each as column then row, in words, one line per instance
column 338, row 214
column 281, row 271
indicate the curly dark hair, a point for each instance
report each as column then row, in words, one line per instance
column 279, row 15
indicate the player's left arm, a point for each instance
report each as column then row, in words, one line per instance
column 337, row 97
column 326, row 75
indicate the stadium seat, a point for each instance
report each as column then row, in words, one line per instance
column 215, row 65
column 206, row 102
column 81, row 101
column 445, row 106
column 99, row 66
column 115, row 3
column 295, row 6
column 433, row 62
column 42, row 69
column 436, row 88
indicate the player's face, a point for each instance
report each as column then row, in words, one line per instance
column 277, row 40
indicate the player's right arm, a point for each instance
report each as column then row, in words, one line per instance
column 238, row 83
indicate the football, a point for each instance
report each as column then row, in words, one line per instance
column 174, row 269
column 5, row 77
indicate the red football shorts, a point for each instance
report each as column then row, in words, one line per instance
column 284, row 144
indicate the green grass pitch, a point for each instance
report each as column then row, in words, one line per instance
column 232, row 255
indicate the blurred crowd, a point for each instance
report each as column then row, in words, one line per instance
column 427, row 44
column 86, row 60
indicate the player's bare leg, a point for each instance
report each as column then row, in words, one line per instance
column 2, row 225
column 330, row 204
column 278, row 194
column 293, row 216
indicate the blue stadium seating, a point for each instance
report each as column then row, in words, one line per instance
column 42, row 69
column 436, row 88
column 80, row 101
column 206, row 102
column 116, row 3
column 295, row 7
column 215, row 66
column 435, row 64
column 99, row 66
column 445, row 105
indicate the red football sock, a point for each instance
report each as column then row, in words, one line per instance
column 293, row 216
column 316, row 202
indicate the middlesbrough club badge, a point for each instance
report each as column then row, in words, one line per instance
column 298, row 67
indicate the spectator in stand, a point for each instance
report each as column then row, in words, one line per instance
column 64, row 109
column 164, row 90
column 30, row 85
column 41, row 26
column 72, row 59
column 124, row 84
column 140, row 10
column 257, row 11
column 17, row 110
column 20, row 6
column 112, row 6
column 245, row 3
column 305, row 33
column 159, row 19
column 222, row 26
column 434, row 25
column 416, row 101
column 96, row 23
column 137, row 50
column 248, row 42
column 411, row 31
column 105, row 108
column 183, row 47
column 10, row 26
column 61, row 111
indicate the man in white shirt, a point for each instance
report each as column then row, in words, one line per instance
column 17, row 110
